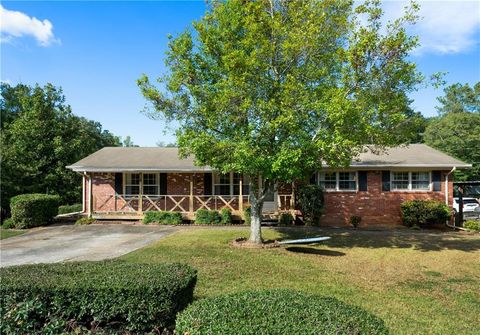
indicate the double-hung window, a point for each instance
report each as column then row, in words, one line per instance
column 132, row 183
column 410, row 181
column 229, row 184
column 222, row 184
column 338, row 181
column 150, row 184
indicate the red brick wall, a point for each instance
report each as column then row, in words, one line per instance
column 374, row 206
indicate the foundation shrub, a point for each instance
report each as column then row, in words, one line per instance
column 226, row 216
column 163, row 217
column 203, row 216
column 424, row 212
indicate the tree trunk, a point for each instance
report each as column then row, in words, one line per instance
column 256, row 218
column 257, row 198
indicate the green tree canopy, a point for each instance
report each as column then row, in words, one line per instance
column 272, row 88
column 458, row 134
column 40, row 136
column 460, row 98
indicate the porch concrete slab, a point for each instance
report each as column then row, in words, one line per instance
column 77, row 243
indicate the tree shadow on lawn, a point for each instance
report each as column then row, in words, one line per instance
column 419, row 240
column 313, row 251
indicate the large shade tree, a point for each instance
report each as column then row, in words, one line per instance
column 272, row 88
column 40, row 136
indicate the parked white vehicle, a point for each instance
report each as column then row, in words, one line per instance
column 469, row 205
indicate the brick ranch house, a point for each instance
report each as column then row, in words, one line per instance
column 124, row 182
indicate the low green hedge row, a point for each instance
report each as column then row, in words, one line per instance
column 163, row 217
column 110, row 296
column 203, row 216
column 32, row 210
column 66, row 209
column 276, row 312
column 424, row 212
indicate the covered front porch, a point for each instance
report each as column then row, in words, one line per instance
column 123, row 196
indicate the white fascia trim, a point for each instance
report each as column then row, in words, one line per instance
column 82, row 169
column 383, row 166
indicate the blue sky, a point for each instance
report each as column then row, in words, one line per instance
column 96, row 50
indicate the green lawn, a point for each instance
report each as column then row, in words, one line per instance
column 418, row 283
column 6, row 233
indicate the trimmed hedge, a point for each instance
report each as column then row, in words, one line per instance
column 276, row 312
column 203, row 216
column 110, row 296
column 226, row 216
column 421, row 212
column 67, row 209
column 163, row 217
column 32, row 210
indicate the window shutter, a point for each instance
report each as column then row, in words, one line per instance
column 362, row 181
column 385, row 181
column 437, row 181
column 119, row 183
column 207, row 184
column 163, row 183
column 313, row 179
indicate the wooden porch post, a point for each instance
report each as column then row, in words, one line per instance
column 140, row 195
column 90, row 196
column 292, row 200
column 191, row 197
column 240, row 196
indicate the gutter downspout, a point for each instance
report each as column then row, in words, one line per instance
column 83, row 191
column 446, row 196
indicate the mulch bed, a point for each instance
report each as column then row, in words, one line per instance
column 243, row 242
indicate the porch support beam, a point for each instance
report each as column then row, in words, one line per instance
column 140, row 194
column 240, row 196
column 190, row 200
column 90, row 196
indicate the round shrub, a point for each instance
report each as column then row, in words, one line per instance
column 424, row 212
column 203, row 216
column 276, row 312
column 163, row 217
column 226, row 215
column 32, row 210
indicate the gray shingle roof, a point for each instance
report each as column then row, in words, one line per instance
column 118, row 159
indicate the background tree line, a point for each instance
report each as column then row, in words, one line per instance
column 40, row 136
column 456, row 129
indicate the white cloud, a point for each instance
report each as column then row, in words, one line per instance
column 17, row 24
column 446, row 27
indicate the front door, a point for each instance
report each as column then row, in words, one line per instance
column 270, row 204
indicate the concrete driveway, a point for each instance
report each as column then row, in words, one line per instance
column 77, row 243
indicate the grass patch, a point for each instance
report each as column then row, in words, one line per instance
column 378, row 271
column 6, row 233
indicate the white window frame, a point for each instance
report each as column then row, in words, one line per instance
column 125, row 184
column 157, row 184
column 337, row 181
column 140, row 184
column 410, row 189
